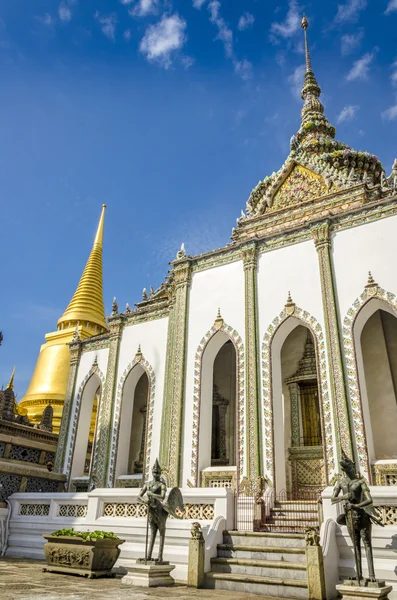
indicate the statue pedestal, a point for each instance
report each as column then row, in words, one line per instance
column 149, row 575
column 377, row 590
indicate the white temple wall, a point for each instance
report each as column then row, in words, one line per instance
column 223, row 288
column 370, row 247
column 152, row 337
column 292, row 268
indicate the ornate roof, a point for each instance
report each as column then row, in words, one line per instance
column 87, row 302
column 317, row 165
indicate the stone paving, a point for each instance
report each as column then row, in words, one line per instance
column 23, row 579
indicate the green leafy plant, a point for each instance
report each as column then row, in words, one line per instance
column 87, row 535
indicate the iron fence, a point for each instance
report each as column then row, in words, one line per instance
column 272, row 512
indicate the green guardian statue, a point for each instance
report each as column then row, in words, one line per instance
column 359, row 514
column 158, row 511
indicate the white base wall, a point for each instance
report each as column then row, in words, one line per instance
column 338, row 548
column 26, row 530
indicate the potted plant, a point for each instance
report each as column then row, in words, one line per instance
column 87, row 553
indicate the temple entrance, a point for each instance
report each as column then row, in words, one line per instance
column 300, row 468
column 130, row 463
column 377, row 369
column 85, row 435
column 218, row 460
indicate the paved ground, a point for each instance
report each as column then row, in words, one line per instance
column 23, row 579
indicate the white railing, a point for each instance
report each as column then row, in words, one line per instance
column 117, row 510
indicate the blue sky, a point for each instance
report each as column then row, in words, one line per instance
column 170, row 112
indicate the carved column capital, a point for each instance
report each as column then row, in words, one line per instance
column 249, row 254
column 75, row 351
column 321, row 235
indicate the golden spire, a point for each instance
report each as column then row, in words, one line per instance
column 10, row 385
column 87, row 302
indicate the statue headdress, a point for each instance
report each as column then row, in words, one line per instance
column 346, row 462
column 156, row 467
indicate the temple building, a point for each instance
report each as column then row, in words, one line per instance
column 258, row 362
column 249, row 370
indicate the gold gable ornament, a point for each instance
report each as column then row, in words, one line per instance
column 299, row 186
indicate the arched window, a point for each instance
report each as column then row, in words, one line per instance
column 132, row 437
column 82, row 454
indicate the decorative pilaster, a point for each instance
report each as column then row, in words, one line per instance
column 75, row 353
column 250, row 259
column 103, row 441
column 172, row 422
column 322, row 242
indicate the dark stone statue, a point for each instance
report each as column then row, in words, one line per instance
column 158, row 510
column 359, row 514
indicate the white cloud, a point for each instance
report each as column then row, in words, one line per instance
column 245, row 21
column 127, row 35
column 394, row 73
column 390, row 114
column 187, row 61
column 360, row 69
column 144, row 8
column 350, row 11
column 291, row 23
column 64, row 12
column 243, row 68
column 198, row 3
column 108, row 24
column 391, row 7
column 45, row 20
column 224, row 33
column 347, row 113
column 295, row 81
column 163, row 39
column 350, row 42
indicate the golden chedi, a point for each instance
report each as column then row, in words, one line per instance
column 86, row 313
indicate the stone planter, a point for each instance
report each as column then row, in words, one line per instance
column 73, row 555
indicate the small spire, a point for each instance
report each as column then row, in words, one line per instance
column 181, row 253
column 144, row 294
column 115, row 307
column 305, row 25
column 371, row 281
column 138, row 354
column 10, row 385
column 290, row 305
column 127, row 308
column 311, row 90
column 219, row 319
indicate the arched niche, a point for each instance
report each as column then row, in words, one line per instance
column 375, row 341
column 92, row 389
column 133, row 423
column 297, row 418
column 218, row 398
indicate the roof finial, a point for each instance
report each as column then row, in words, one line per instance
column 305, row 25
column 10, row 385
column 311, row 90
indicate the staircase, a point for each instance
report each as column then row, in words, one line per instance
column 271, row 564
column 292, row 516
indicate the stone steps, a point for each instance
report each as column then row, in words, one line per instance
column 264, row 568
column 277, row 553
column 254, row 584
column 270, row 564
